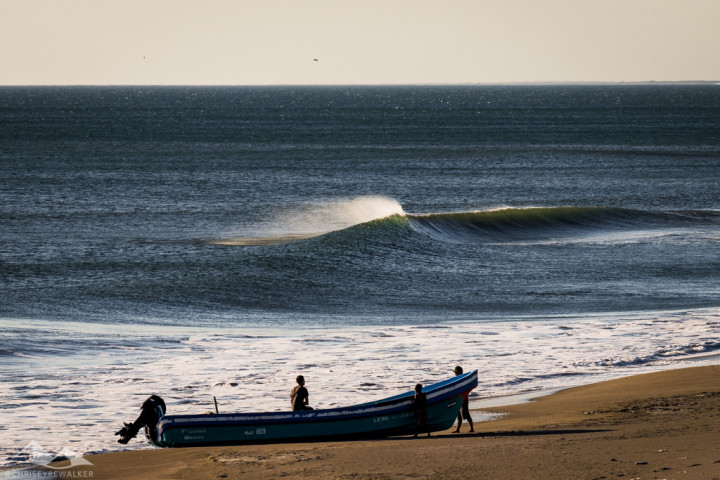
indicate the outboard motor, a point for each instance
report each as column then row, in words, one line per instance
column 152, row 410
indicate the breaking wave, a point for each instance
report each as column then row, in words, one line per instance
column 385, row 217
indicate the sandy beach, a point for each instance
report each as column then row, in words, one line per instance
column 663, row 425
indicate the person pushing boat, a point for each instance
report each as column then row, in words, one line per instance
column 419, row 407
column 465, row 410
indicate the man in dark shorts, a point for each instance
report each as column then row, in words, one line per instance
column 420, row 411
column 299, row 396
column 465, row 410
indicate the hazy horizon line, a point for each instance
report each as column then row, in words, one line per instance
column 418, row 84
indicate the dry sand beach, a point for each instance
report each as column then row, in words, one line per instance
column 651, row 426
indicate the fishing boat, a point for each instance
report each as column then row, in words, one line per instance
column 387, row 417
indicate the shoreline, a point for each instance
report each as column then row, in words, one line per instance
column 485, row 403
column 654, row 425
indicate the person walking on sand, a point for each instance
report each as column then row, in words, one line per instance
column 465, row 410
column 420, row 411
column 299, row 396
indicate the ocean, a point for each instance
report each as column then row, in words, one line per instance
column 200, row 242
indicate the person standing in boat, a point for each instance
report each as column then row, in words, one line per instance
column 420, row 411
column 299, row 396
column 465, row 410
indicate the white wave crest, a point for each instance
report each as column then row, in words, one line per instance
column 317, row 218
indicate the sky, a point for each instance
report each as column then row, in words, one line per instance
column 280, row 42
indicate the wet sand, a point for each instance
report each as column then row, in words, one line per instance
column 657, row 425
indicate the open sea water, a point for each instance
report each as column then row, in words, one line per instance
column 197, row 242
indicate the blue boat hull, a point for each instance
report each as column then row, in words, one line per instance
column 387, row 417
